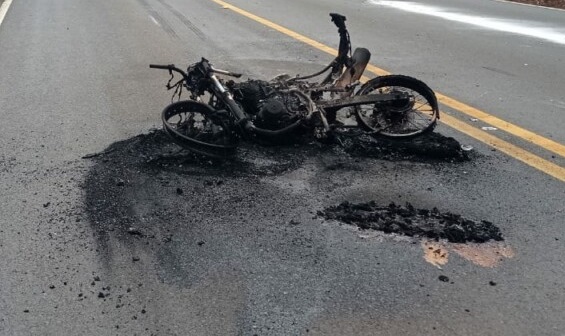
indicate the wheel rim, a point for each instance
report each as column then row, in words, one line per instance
column 196, row 126
column 193, row 126
column 411, row 115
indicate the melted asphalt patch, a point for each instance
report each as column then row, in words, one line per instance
column 409, row 221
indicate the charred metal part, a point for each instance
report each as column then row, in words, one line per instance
column 250, row 94
column 359, row 61
column 360, row 100
column 274, row 115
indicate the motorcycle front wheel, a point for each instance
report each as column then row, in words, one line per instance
column 199, row 128
column 414, row 112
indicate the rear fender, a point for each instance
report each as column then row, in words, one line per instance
column 359, row 61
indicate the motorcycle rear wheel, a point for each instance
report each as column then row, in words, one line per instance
column 199, row 128
column 416, row 113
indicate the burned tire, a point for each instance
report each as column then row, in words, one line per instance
column 199, row 128
column 415, row 112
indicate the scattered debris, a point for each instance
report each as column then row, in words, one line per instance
column 134, row 231
column 180, row 191
column 492, row 283
column 93, row 155
column 489, row 128
column 467, row 148
column 443, row 278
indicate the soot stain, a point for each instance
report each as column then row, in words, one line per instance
column 129, row 170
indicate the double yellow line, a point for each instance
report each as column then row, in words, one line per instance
column 514, row 151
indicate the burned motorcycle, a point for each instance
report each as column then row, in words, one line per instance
column 219, row 113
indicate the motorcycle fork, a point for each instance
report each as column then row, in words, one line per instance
column 227, row 97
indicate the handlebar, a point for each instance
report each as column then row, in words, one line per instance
column 172, row 67
column 165, row 67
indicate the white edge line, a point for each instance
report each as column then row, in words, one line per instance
column 497, row 24
column 4, row 9
column 154, row 21
column 530, row 5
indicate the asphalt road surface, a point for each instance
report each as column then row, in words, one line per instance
column 144, row 241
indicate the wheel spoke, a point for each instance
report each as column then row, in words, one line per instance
column 418, row 107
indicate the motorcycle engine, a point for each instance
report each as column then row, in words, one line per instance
column 280, row 110
column 250, row 94
column 273, row 109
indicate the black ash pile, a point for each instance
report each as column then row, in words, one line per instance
column 409, row 221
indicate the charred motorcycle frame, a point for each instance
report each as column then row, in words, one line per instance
column 219, row 113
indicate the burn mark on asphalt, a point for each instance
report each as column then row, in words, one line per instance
column 147, row 179
column 435, row 253
column 151, row 204
column 488, row 255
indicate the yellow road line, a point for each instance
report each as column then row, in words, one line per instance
column 514, row 151
column 548, row 144
column 522, row 133
column 506, row 147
